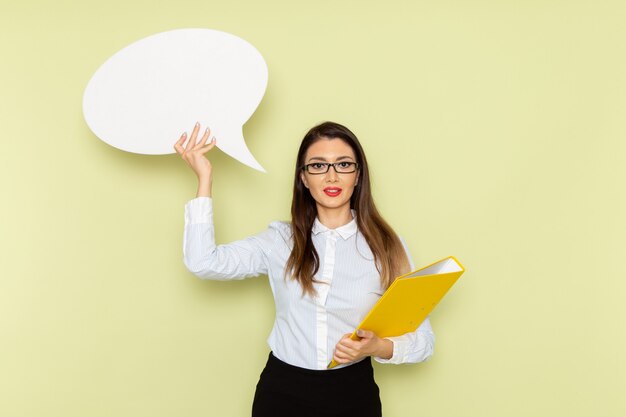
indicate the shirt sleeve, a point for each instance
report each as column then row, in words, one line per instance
column 413, row 347
column 236, row 260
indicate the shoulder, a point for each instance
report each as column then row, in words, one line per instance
column 277, row 232
column 281, row 226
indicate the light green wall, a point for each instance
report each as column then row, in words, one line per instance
column 495, row 132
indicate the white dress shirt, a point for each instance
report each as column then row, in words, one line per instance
column 306, row 329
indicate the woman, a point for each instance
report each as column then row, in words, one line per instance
column 326, row 268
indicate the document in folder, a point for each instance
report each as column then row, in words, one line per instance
column 409, row 300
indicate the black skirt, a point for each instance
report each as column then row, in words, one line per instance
column 289, row 391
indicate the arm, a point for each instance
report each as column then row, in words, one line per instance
column 408, row 348
column 411, row 347
column 417, row 346
column 240, row 259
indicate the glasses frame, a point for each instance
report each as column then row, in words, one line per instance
column 328, row 165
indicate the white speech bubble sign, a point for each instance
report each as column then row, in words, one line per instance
column 143, row 97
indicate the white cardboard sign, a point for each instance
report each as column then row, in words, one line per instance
column 145, row 95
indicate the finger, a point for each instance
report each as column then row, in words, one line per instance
column 343, row 356
column 339, row 360
column 366, row 334
column 178, row 146
column 192, row 138
column 346, row 350
column 349, row 343
column 208, row 146
column 202, row 141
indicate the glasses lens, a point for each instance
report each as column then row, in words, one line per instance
column 317, row 168
column 345, row 167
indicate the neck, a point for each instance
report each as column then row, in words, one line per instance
column 334, row 217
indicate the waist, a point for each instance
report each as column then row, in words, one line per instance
column 361, row 368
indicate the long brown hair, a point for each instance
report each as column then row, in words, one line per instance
column 303, row 263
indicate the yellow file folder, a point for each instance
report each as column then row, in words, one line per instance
column 409, row 299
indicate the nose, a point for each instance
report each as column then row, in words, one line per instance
column 332, row 175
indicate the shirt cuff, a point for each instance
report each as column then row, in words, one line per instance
column 400, row 345
column 199, row 210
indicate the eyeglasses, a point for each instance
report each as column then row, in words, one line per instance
column 343, row 167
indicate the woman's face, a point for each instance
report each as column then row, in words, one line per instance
column 330, row 190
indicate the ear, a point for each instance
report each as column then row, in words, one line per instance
column 304, row 180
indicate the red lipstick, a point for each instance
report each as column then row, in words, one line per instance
column 332, row 191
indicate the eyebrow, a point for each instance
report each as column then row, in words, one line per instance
column 319, row 158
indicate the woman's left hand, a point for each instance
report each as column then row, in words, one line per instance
column 348, row 350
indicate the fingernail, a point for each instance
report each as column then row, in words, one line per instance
column 184, row 134
column 197, row 123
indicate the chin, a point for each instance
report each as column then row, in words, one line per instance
column 333, row 204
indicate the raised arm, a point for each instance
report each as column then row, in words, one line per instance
column 236, row 260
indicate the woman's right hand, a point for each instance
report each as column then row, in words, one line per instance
column 193, row 155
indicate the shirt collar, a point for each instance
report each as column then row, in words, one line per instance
column 344, row 231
